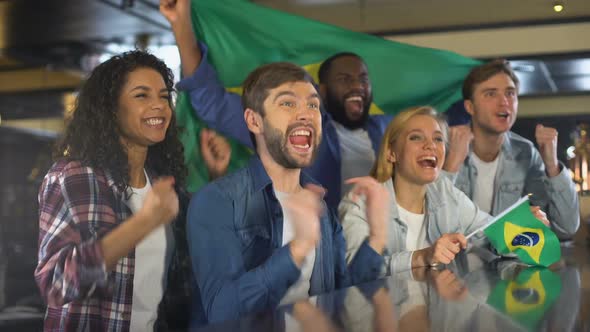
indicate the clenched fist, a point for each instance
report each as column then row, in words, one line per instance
column 216, row 153
column 547, row 140
column 175, row 10
column 161, row 202
column 460, row 138
column 446, row 248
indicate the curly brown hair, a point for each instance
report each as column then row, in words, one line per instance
column 92, row 134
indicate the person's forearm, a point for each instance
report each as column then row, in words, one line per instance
column 421, row 258
column 377, row 243
column 453, row 163
column 564, row 206
column 299, row 250
column 188, row 48
column 384, row 311
column 552, row 169
column 121, row 240
column 221, row 286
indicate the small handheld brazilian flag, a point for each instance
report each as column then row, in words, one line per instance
column 527, row 297
column 517, row 230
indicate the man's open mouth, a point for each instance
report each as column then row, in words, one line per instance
column 354, row 104
column 301, row 138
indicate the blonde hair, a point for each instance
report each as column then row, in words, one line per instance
column 383, row 168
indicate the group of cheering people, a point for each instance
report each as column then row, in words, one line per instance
column 332, row 196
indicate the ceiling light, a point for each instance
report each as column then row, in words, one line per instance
column 558, row 6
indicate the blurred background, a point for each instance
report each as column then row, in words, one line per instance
column 48, row 47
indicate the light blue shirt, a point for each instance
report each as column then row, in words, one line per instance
column 448, row 210
column 521, row 171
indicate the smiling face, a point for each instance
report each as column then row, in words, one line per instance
column 347, row 91
column 144, row 108
column 291, row 127
column 494, row 105
column 419, row 151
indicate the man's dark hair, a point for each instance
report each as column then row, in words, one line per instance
column 92, row 135
column 259, row 82
column 483, row 72
column 327, row 64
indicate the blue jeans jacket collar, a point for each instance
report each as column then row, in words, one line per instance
column 261, row 179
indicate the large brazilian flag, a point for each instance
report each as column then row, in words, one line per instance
column 527, row 297
column 242, row 36
column 518, row 230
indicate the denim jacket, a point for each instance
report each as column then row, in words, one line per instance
column 223, row 111
column 448, row 210
column 234, row 230
column 521, row 171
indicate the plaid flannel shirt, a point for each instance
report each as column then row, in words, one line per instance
column 78, row 206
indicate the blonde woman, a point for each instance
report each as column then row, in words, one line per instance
column 428, row 215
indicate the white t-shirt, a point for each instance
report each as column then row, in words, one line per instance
column 300, row 289
column 151, row 257
column 356, row 153
column 483, row 190
column 416, row 237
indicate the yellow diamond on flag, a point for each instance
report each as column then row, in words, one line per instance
column 530, row 240
column 526, row 296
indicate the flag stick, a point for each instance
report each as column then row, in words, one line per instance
column 496, row 218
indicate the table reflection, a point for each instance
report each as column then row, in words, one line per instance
column 474, row 293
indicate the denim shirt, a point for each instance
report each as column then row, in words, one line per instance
column 448, row 210
column 521, row 171
column 234, row 230
column 223, row 111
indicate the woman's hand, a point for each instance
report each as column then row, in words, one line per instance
column 447, row 247
column 541, row 215
column 443, row 251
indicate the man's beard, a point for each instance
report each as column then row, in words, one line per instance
column 336, row 108
column 276, row 144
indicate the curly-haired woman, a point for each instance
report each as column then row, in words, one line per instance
column 111, row 244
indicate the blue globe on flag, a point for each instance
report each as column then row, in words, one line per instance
column 528, row 239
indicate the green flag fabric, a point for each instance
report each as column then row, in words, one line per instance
column 526, row 298
column 242, row 36
column 190, row 129
column 517, row 230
